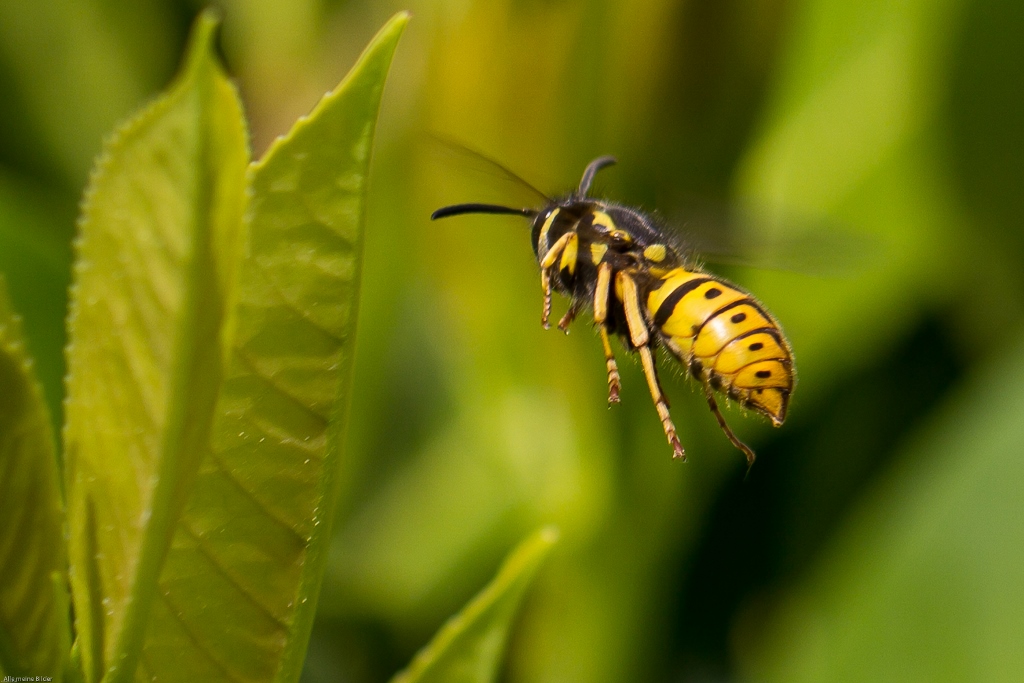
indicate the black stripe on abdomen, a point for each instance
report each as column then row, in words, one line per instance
column 741, row 302
column 668, row 306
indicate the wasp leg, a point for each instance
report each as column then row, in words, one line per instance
column 713, row 404
column 640, row 337
column 660, row 402
column 546, row 263
column 545, row 283
column 570, row 315
column 613, row 369
column 626, row 289
column 604, row 281
column 604, row 277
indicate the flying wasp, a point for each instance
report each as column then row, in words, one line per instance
column 619, row 262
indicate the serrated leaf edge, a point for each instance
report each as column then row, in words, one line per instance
column 130, row 638
column 13, row 344
column 308, row 590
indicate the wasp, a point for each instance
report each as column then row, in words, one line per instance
column 619, row 262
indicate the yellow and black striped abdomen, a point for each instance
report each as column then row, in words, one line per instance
column 725, row 337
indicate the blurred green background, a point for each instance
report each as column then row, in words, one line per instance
column 880, row 535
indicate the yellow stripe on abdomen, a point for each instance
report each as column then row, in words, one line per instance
column 726, row 325
column 743, row 351
column 766, row 374
column 686, row 300
column 672, row 281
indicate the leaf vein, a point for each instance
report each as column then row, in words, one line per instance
column 200, row 645
column 229, row 576
column 250, row 363
column 251, row 495
column 267, row 274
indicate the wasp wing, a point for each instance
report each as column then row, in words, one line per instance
column 757, row 238
column 455, row 157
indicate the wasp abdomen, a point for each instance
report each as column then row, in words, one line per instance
column 711, row 325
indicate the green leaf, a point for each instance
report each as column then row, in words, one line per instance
column 924, row 583
column 161, row 236
column 34, row 629
column 469, row 648
column 240, row 586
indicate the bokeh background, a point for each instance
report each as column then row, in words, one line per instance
column 880, row 536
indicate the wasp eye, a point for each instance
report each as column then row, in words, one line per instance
column 619, row 239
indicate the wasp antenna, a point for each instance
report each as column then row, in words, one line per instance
column 459, row 209
column 592, row 168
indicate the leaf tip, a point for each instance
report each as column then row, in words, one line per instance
column 459, row 645
column 549, row 534
column 398, row 20
column 205, row 26
column 391, row 31
column 526, row 558
column 533, row 550
column 202, row 38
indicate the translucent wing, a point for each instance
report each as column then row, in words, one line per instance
column 756, row 238
column 453, row 157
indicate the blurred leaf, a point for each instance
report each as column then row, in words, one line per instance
column 35, row 635
column 240, row 586
column 984, row 105
column 90, row 57
column 469, row 648
column 925, row 581
column 391, row 562
column 277, row 47
column 156, row 262
column 847, row 138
